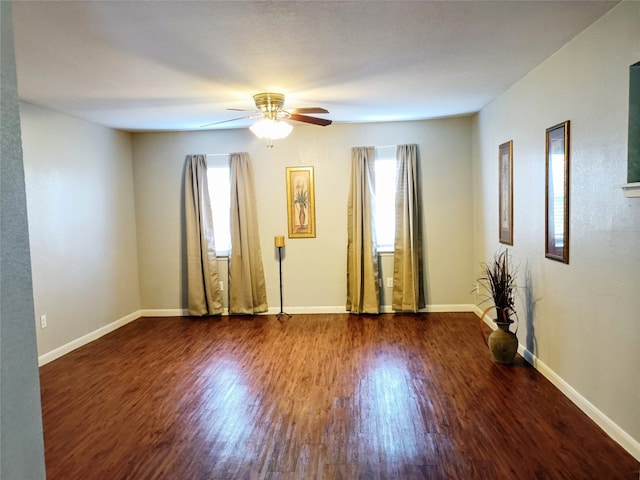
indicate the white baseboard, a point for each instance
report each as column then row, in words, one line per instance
column 383, row 309
column 166, row 312
column 313, row 309
column 307, row 310
column 89, row 337
column 451, row 308
column 611, row 428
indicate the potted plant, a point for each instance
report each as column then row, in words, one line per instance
column 499, row 282
column 301, row 200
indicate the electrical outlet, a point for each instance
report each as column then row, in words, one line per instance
column 221, row 285
column 43, row 321
column 389, row 282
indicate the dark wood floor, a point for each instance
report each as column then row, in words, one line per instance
column 314, row 396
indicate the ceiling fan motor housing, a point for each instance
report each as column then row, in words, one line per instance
column 269, row 103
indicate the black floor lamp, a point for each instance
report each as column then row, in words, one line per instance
column 278, row 241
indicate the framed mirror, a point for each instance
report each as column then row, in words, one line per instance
column 505, row 187
column 557, row 197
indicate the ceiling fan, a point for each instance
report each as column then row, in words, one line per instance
column 270, row 106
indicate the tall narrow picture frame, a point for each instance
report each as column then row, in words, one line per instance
column 301, row 205
column 557, row 193
column 505, row 189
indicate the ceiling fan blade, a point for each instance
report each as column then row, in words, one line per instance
column 241, row 110
column 307, row 119
column 309, row 110
column 227, row 121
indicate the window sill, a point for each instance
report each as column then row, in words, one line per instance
column 631, row 190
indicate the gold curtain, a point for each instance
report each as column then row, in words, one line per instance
column 247, row 290
column 203, row 286
column 363, row 294
column 408, row 279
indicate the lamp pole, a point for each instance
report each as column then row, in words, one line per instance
column 279, row 243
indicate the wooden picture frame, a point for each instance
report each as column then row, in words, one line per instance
column 301, row 205
column 557, row 165
column 505, row 193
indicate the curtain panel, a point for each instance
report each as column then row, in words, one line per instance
column 247, row 289
column 204, row 296
column 363, row 294
column 408, row 279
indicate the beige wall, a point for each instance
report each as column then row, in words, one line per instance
column 314, row 271
column 82, row 228
column 583, row 319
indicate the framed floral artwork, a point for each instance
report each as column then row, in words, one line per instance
column 301, row 207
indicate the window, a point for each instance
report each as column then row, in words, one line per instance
column 218, row 177
column 385, row 215
column 633, row 157
column 557, row 194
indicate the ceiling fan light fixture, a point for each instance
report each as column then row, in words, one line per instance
column 272, row 129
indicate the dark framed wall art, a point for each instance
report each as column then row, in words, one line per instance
column 557, row 193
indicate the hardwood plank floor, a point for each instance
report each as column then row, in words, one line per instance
column 312, row 397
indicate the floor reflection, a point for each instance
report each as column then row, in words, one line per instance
column 225, row 403
column 388, row 410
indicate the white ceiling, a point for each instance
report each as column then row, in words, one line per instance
column 176, row 65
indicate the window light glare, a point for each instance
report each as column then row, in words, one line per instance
column 385, row 214
column 220, row 195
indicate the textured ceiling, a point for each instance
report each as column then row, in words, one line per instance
column 176, row 65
